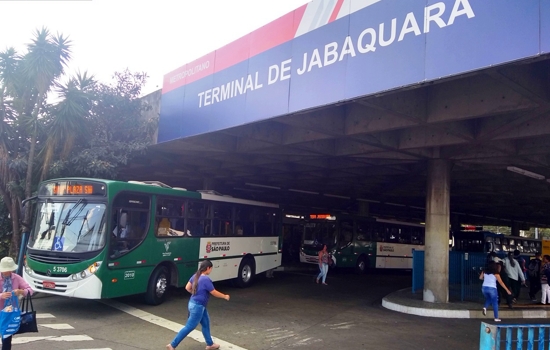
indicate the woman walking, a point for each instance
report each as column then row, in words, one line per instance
column 200, row 286
column 490, row 277
column 11, row 283
column 323, row 265
column 515, row 274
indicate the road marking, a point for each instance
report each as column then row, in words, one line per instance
column 162, row 322
column 25, row 340
column 57, row 326
column 71, row 338
column 45, row 316
column 94, row 349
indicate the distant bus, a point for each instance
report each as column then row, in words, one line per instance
column 97, row 239
column 360, row 242
column 486, row 241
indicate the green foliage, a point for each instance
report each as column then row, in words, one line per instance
column 113, row 131
column 91, row 129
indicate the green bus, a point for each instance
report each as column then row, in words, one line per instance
column 97, row 239
column 361, row 242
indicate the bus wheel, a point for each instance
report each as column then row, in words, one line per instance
column 246, row 273
column 362, row 265
column 156, row 289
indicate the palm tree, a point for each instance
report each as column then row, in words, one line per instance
column 44, row 62
column 70, row 118
column 25, row 82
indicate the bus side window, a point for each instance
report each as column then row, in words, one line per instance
column 197, row 224
column 222, row 219
column 244, row 221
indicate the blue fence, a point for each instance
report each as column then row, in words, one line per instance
column 514, row 337
column 464, row 270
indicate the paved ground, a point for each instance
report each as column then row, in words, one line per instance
column 287, row 312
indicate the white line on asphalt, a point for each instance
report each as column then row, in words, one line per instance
column 71, row 338
column 162, row 322
column 57, row 326
column 45, row 316
column 94, row 349
column 25, row 340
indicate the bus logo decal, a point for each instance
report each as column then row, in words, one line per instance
column 208, row 247
column 167, row 247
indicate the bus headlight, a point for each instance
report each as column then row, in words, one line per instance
column 89, row 271
column 28, row 270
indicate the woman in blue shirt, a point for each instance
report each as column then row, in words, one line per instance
column 200, row 286
column 490, row 277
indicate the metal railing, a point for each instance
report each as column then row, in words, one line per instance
column 464, row 270
column 514, row 337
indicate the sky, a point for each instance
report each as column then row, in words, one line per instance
column 148, row 36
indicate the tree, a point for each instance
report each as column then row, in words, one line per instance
column 90, row 130
column 114, row 130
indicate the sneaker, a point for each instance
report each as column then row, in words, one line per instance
column 497, row 320
column 213, row 347
column 484, row 312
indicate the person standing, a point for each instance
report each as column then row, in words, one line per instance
column 11, row 283
column 521, row 261
column 544, row 272
column 533, row 273
column 515, row 275
column 323, row 265
column 490, row 277
column 200, row 286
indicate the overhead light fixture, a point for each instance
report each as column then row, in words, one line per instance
column 525, row 173
column 336, row 196
column 302, row 191
column 263, row 186
column 367, row 200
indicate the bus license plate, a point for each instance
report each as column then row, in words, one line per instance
column 49, row 285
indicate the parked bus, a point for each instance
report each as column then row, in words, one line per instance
column 361, row 242
column 97, row 239
column 480, row 241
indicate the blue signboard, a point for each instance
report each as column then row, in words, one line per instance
column 332, row 51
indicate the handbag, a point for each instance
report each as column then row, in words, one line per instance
column 10, row 317
column 28, row 317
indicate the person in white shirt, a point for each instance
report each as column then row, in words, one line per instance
column 515, row 275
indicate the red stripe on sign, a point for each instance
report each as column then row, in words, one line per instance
column 336, row 10
column 267, row 37
column 272, row 34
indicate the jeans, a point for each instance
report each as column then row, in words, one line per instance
column 197, row 314
column 324, row 270
column 491, row 298
column 534, row 286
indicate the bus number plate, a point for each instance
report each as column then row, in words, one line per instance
column 49, row 285
column 129, row 275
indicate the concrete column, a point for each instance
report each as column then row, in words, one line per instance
column 515, row 229
column 436, row 258
column 208, row 183
column 363, row 209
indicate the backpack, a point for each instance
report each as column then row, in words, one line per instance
column 534, row 267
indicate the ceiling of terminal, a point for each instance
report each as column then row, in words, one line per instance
column 493, row 125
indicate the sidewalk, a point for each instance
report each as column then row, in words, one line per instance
column 406, row 302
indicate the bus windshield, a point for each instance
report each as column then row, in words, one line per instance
column 69, row 227
column 316, row 234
